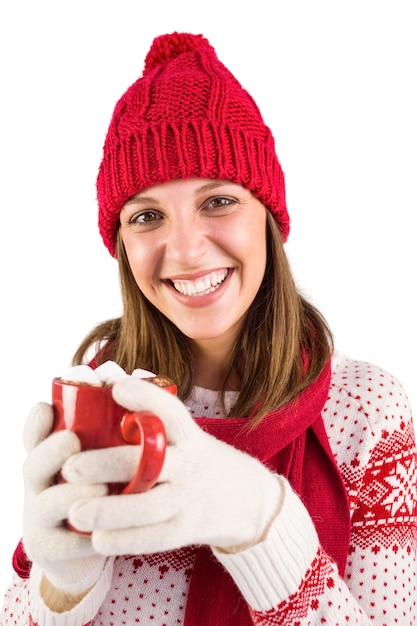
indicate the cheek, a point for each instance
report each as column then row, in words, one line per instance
column 257, row 267
column 250, row 244
column 140, row 260
column 256, row 254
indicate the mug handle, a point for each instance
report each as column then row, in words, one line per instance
column 146, row 429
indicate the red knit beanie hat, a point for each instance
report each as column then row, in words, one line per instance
column 186, row 117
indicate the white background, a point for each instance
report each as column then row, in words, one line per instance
column 336, row 82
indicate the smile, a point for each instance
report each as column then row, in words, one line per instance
column 202, row 286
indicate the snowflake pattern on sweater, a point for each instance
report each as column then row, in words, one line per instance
column 369, row 424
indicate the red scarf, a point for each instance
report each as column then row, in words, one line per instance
column 291, row 441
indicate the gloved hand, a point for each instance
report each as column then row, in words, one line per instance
column 208, row 492
column 67, row 559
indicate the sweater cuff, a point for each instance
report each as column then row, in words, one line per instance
column 273, row 569
column 82, row 613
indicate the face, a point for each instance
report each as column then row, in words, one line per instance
column 197, row 250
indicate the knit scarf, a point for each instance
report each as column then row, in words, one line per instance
column 291, row 441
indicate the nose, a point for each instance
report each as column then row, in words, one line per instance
column 186, row 243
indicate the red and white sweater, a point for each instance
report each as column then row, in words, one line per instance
column 288, row 579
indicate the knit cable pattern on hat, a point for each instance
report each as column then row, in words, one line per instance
column 186, row 117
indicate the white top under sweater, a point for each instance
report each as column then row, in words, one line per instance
column 369, row 424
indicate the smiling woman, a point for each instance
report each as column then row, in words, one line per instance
column 201, row 260
column 278, row 448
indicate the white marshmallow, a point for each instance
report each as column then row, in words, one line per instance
column 106, row 373
column 139, row 373
column 81, row 374
column 110, row 372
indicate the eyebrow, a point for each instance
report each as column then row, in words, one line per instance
column 213, row 184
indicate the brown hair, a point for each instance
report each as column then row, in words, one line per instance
column 284, row 338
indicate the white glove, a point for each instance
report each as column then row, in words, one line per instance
column 208, row 493
column 67, row 559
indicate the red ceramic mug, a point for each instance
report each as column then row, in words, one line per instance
column 91, row 412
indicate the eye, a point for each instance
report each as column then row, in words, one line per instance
column 145, row 218
column 220, row 202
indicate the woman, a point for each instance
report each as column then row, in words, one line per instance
column 290, row 497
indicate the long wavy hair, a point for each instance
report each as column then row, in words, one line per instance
column 282, row 347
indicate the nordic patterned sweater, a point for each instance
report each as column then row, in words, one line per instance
column 288, row 579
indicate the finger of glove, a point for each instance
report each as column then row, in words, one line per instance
column 162, row 537
column 47, row 458
column 47, row 546
column 114, row 465
column 108, row 465
column 125, row 511
column 52, row 506
column 76, row 575
column 138, row 395
column 38, row 425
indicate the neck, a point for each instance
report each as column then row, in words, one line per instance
column 210, row 365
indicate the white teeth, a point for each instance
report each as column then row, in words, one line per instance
column 202, row 286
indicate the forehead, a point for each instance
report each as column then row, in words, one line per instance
column 192, row 186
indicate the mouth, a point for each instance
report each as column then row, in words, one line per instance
column 201, row 286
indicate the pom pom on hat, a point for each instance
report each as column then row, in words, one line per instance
column 186, row 117
column 167, row 47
